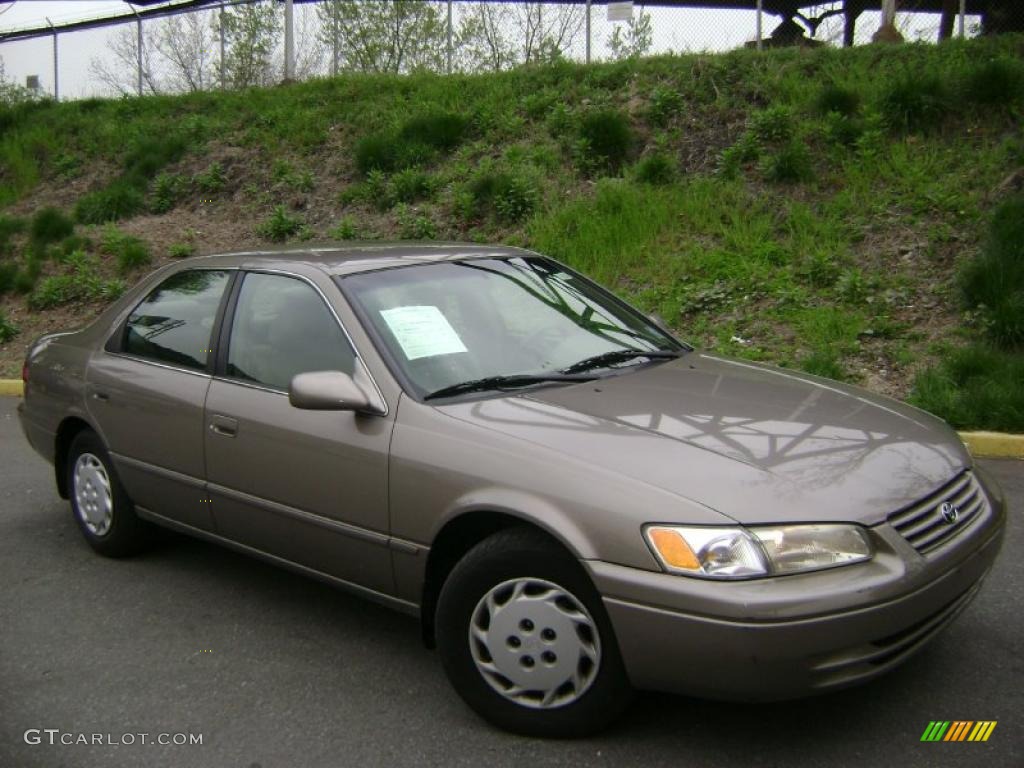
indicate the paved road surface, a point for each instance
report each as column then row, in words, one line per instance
column 277, row 670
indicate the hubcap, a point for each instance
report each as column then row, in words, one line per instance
column 535, row 643
column 93, row 499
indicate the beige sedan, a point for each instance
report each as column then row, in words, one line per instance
column 575, row 503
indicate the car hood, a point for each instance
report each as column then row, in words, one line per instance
column 755, row 443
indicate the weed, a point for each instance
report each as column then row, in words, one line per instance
column 916, row 103
column 413, row 225
column 8, row 330
column 211, row 180
column 9, row 227
column 976, row 387
column 510, row 196
column 995, row 280
column 665, row 104
column 8, row 275
column 133, row 253
column 82, row 282
column 835, row 99
column 995, row 82
column 279, row 226
column 118, row 201
column 443, row 131
column 167, row 189
column 48, row 226
column 181, row 250
column 824, row 363
column 608, row 136
column 410, row 185
column 790, row 164
column 655, row 168
column 375, row 152
column 346, row 229
column 775, row 125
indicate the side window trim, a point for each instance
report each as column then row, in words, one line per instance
column 224, row 332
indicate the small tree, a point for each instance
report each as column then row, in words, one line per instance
column 384, row 35
column 120, row 74
column 485, row 41
column 633, row 39
column 186, row 44
column 251, row 33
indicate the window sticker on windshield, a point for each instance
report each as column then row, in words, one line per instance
column 422, row 331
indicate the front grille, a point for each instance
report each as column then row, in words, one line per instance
column 923, row 524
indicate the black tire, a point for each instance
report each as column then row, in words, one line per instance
column 525, row 555
column 125, row 534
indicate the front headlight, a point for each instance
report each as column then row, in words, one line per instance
column 740, row 553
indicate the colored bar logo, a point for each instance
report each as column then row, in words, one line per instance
column 958, row 730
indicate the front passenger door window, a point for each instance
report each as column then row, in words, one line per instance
column 281, row 328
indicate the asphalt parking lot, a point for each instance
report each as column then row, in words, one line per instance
column 276, row 670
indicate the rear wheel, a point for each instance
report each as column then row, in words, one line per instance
column 525, row 640
column 102, row 509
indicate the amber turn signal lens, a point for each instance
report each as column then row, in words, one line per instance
column 673, row 549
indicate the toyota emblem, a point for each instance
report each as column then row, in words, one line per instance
column 949, row 512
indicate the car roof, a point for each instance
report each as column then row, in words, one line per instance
column 347, row 258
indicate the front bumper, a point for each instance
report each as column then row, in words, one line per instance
column 792, row 636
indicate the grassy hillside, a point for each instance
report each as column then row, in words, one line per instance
column 810, row 208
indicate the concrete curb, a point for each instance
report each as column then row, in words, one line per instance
column 987, row 445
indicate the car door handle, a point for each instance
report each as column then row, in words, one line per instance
column 223, row 425
column 101, row 396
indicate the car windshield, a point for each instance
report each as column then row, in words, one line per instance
column 500, row 322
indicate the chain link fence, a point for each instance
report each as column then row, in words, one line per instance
column 242, row 43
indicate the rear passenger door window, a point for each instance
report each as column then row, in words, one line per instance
column 283, row 327
column 174, row 323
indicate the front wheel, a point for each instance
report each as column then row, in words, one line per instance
column 525, row 640
column 102, row 509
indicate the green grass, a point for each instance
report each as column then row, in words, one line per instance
column 8, row 330
column 818, row 205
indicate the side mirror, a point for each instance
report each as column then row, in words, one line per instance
column 334, row 391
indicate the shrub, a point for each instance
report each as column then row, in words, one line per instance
column 410, row 185
column 995, row 280
column 975, row 388
column 181, row 250
column 9, row 226
column 133, row 254
column 8, row 275
column 48, row 226
column 118, row 201
column 346, row 229
column 510, row 197
column 25, row 279
column 656, row 168
column 608, row 136
column 773, row 126
column 81, row 283
column 151, row 154
column 413, row 225
column 843, row 130
column 998, row 81
column 212, row 179
column 279, row 226
column 8, row 330
column 824, row 363
column 167, row 189
column 916, row 103
column 839, row 100
column 375, row 152
column 443, row 131
column 788, row 165
column 666, row 103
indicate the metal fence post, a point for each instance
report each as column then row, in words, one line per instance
column 289, row 41
column 223, row 78
column 760, row 25
column 334, row 38
column 56, row 67
column 138, row 27
column 963, row 19
column 449, row 33
column 588, row 31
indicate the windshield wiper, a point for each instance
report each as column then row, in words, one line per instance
column 501, row 382
column 620, row 356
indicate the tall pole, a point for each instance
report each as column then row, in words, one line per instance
column 138, row 29
column 588, row 31
column 56, row 67
column 289, row 41
column 223, row 78
column 760, row 24
column 889, row 13
column 449, row 33
column 334, row 39
column 963, row 19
